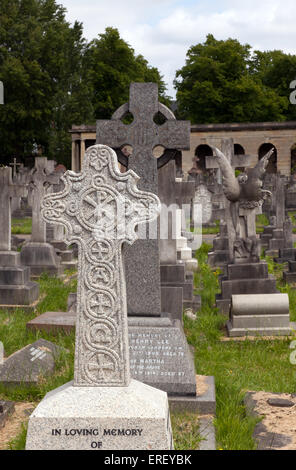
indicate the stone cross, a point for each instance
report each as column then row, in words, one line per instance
column 8, row 190
column 143, row 135
column 237, row 161
column 100, row 209
column 40, row 177
column 14, row 165
column 173, row 195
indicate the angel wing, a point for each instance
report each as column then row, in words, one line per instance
column 258, row 171
column 230, row 184
column 252, row 190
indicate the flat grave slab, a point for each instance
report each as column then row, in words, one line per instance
column 29, row 364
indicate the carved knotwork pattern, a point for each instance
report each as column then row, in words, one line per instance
column 100, row 208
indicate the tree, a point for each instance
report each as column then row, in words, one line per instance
column 41, row 66
column 112, row 66
column 276, row 70
column 216, row 85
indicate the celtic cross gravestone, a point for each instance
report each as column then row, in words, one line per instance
column 100, row 209
column 143, row 135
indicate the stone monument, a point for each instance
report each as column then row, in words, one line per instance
column 103, row 408
column 246, row 274
column 221, row 255
column 159, row 352
column 16, row 289
column 36, row 253
column 173, row 194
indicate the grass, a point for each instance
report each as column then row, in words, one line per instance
column 185, row 431
column 15, row 336
column 237, row 366
column 21, row 226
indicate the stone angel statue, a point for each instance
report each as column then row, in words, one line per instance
column 245, row 196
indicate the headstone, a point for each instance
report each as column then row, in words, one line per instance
column 15, row 286
column 21, row 207
column 173, row 195
column 28, row 365
column 142, row 259
column 203, row 197
column 246, row 273
column 260, row 314
column 100, row 210
column 37, row 253
column 55, row 234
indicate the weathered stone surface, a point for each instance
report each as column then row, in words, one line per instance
column 7, row 191
column 142, row 259
column 15, row 286
column 38, row 254
column 53, row 322
column 260, row 304
column 160, row 357
column 29, row 364
column 6, row 409
column 134, row 418
column 248, row 271
column 280, row 402
column 42, row 258
column 100, row 208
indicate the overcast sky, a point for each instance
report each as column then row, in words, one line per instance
column 163, row 30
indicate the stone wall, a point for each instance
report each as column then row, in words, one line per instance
column 250, row 136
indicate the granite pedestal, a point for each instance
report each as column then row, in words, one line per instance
column 101, row 418
column 259, row 314
column 15, row 286
column 42, row 258
column 244, row 278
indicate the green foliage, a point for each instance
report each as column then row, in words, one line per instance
column 238, row 366
column 216, row 85
column 41, row 66
column 21, row 226
column 112, row 66
column 185, row 431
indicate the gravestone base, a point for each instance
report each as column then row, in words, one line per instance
column 160, row 355
column 204, row 403
column 107, row 418
column 244, row 278
column 174, row 276
column 262, row 314
column 218, row 258
column 53, row 322
column 41, row 258
column 286, row 255
column 257, row 331
column 15, row 286
column 289, row 277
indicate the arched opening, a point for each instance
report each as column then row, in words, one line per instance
column 89, row 143
column 239, row 150
column 272, row 164
column 201, row 153
column 293, row 159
